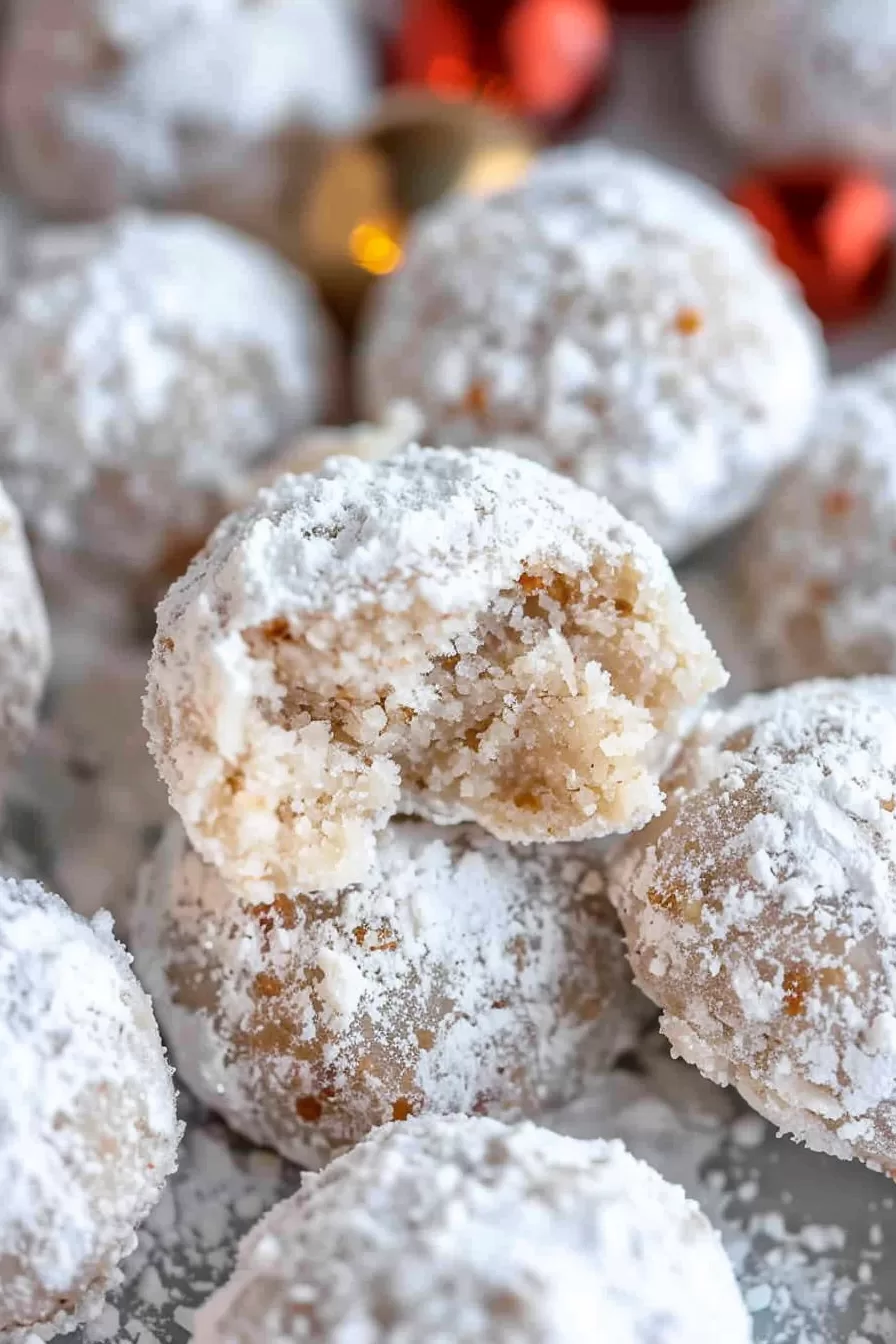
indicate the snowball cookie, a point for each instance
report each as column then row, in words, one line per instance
column 156, row 102
column 760, row 910
column 462, row 975
column 88, row 1130
column 819, row 563
column 479, row 1233
column 145, row 364
column 614, row 319
column 792, row 77
column 24, row 639
column 462, row 635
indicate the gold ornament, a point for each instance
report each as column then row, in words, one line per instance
column 349, row 225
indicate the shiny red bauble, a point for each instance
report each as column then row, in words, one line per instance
column 832, row 225
column 544, row 59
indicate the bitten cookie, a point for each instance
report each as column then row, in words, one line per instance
column 760, row 910
column 462, row 635
column 89, row 1131
column 467, row 1230
column 614, row 319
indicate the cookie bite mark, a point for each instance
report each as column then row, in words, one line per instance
column 464, row 636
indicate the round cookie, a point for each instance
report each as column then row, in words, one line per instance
column 24, row 639
column 786, row 78
column 460, row 635
column 760, row 910
column 146, row 364
column 614, row 319
column 212, row 101
column 462, row 975
column 465, row 1229
column 89, row 1131
column 819, row 563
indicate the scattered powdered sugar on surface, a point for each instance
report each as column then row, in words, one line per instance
column 810, row 1238
column 615, row 319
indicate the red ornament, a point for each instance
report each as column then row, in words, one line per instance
column 545, row 59
column 832, row 226
column 651, row 8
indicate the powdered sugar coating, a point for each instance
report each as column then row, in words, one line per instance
column 462, row 976
column 760, row 910
column 792, row 77
column 88, row 1129
column 819, row 564
column 145, row 364
column 135, row 102
column 462, row 635
column 613, row 319
column 24, row 638
column 467, row 1230
column 400, row 428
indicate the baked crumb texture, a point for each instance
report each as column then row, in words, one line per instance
column 89, row 1131
column 760, row 910
column 469, row 1230
column 462, row 976
column 460, row 635
column 819, row 563
column 614, row 319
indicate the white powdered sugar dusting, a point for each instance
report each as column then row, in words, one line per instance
column 146, row 363
column 463, row 976
column 88, row 1131
column 819, row 563
column 815, row 1274
column 760, row 909
column 462, row 634
column 465, row 1228
column 24, row 639
column 792, row 77
column 400, row 428
column 136, row 102
column 614, row 319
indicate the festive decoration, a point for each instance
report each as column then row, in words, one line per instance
column 652, row 8
column 351, row 223
column 832, row 226
column 544, row 59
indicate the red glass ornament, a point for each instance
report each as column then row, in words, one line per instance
column 833, row 226
column 651, row 8
column 545, row 59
